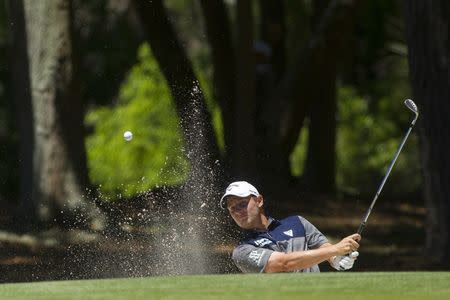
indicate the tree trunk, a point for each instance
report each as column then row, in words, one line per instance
column 273, row 32
column 290, row 91
column 320, row 168
column 319, row 174
column 27, row 212
column 199, row 139
column 223, row 59
column 243, row 150
column 59, row 171
column 427, row 32
column 270, row 68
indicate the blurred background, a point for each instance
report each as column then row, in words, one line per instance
column 304, row 99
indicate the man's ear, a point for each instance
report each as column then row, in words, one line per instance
column 260, row 201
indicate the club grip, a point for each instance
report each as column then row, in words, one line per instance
column 361, row 227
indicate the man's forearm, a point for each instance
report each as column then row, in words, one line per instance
column 298, row 260
column 330, row 259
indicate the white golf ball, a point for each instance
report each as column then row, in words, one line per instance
column 128, row 135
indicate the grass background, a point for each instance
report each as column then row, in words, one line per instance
column 337, row 285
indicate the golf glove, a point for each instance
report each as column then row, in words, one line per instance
column 342, row 263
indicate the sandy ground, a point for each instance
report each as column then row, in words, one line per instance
column 392, row 241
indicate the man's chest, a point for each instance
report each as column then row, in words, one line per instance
column 285, row 236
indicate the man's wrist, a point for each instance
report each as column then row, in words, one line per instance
column 334, row 262
column 331, row 260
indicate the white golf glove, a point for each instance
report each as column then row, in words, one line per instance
column 342, row 263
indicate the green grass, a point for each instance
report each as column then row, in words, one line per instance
column 352, row 285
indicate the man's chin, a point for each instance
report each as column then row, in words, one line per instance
column 244, row 224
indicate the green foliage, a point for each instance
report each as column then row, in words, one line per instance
column 370, row 128
column 298, row 156
column 368, row 135
column 213, row 108
column 367, row 139
column 154, row 155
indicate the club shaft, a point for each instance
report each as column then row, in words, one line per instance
column 366, row 217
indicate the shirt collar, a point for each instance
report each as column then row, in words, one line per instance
column 272, row 223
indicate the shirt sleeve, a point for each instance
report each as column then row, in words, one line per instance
column 251, row 259
column 314, row 238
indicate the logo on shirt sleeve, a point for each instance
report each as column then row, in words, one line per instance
column 255, row 256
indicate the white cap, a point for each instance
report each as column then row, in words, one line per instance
column 239, row 189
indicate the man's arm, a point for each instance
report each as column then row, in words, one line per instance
column 299, row 260
column 328, row 245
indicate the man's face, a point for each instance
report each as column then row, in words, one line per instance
column 245, row 211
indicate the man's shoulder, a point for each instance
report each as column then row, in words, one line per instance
column 294, row 219
column 291, row 218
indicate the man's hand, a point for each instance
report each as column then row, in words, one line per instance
column 347, row 245
column 346, row 253
column 342, row 263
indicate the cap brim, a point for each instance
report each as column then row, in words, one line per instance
column 223, row 200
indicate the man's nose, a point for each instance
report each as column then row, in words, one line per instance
column 237, row 209
column 241, row 211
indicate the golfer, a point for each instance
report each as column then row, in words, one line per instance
column 289, row 245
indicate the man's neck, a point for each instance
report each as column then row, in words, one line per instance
column 263, row 224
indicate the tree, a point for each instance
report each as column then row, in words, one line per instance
column 274, row 117
column 54, row 176
column 108, row 36
column 23, row 106
column 262, row 113
column 427, row 32
column 223, row 59
column 195, row 120
column 320, row 169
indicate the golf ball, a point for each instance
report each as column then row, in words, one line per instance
column 128, row 135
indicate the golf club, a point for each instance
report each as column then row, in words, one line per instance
column 413, row 107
